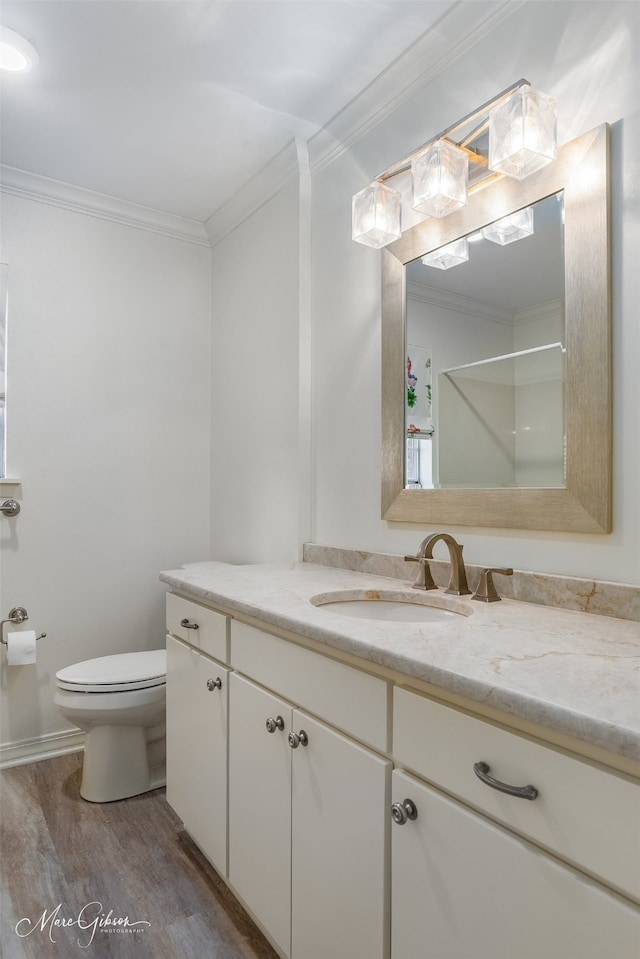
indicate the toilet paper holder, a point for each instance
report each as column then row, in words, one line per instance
column 16, row 616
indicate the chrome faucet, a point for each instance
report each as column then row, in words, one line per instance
column 424, row 580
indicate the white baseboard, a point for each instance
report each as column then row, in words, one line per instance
column 42, row 747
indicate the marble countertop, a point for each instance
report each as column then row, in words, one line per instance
column 573, row 672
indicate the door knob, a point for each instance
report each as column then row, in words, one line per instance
column 298, row 739
column 273, row 724
column 214, row 684
column 401, row 811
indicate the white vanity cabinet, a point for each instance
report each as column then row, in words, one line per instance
column 465, row 886
column 197, row 710
column 343, row 808
column 308, row 818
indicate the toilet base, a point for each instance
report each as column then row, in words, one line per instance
column 117, row 763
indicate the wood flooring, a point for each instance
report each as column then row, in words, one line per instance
column 131, row 858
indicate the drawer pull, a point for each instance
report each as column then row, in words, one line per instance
column 214, row 684
column 522, row 792
column 273, row 724
column 187, row 625
column 298, row 739
column 401, row 811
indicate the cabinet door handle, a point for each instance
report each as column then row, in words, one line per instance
column 298, row 739
column 273, row 724
column 187, row 625
column 214, row 684
column 522, row 792
column 401, row 811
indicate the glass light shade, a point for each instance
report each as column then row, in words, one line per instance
column 453, row 254
column 510, row 228
column 376, row 214
column 440, row 178
column 16, row 54
column 522, row 133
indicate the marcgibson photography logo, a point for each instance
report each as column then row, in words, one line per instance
column 90, row 919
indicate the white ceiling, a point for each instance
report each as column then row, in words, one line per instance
column 175, row 104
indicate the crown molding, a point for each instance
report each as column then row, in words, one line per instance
column 447, row 40
column 549, row 310
column 458, row 302
column 42, row 189
column 423, row 293
column 255, row 193
column 458, row 30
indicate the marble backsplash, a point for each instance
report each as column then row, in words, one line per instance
column 545, row 589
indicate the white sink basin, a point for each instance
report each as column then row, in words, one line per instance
column 393, row 606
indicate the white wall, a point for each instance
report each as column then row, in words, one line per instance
column 255, row 381
column 586, row 54
column 108, row 429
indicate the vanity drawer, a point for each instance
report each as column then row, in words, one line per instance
column 347, row 698
column 585, row 814
column 211, row 635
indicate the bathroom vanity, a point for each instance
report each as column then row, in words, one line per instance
column 465, row 788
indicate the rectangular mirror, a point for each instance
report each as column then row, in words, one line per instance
column 4, row 286
column 485, row 358
column 496, row 370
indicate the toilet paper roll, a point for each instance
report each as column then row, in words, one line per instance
column 21, row 647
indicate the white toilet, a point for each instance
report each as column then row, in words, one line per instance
column 120, row 703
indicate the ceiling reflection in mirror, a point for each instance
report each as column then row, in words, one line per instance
column 485, row 357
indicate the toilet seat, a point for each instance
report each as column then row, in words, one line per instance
column 117, row 673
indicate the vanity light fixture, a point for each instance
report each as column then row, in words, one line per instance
column 16, row 54
column 510, row 228
column 453, row 254
column 514, row 134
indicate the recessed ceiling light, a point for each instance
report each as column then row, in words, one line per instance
column 16, row 54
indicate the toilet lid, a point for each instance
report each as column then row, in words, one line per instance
column 116, row 673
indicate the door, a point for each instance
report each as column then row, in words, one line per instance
column 463, row 887
column 197, row 696
column 260, row 806
column 340, row 799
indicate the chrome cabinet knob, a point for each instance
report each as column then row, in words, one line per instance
column 298, row 739
column 273, row 724
column 187, row 625
column 401, row 811
column 214, row 684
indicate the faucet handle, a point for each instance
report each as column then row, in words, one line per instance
column 424, row 579
column 486, row 591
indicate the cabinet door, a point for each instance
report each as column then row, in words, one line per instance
column 197, row 747
column 340, row 798
column 260, row 807
column 463, row 887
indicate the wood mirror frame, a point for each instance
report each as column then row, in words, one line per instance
column 581, row 171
